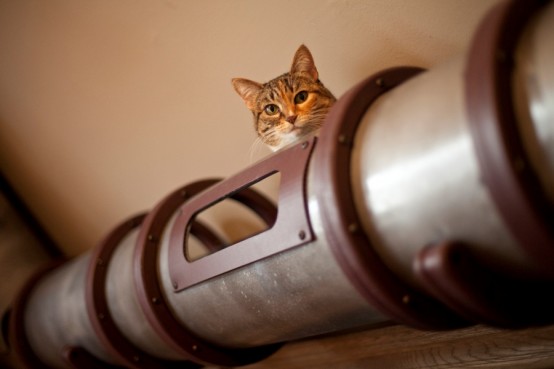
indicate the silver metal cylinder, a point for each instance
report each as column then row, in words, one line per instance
column 124, row 304
column 56, row 315
column 397, row 168
column 416, row 177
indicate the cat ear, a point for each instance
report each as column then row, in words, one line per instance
column 304, row 62
column 248, row 90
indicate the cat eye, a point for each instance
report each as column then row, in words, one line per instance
column 271, row 109
column 301, row 97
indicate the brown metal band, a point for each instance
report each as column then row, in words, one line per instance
column 505, row 167
column 451, row 273
column 151, row 297
column 19, row 345
column 350, row 245
column 113, row 340
column 207, row 237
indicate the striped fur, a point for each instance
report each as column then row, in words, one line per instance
column 289, row 107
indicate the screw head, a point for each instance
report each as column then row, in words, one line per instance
column 353, row 227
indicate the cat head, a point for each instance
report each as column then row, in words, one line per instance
column 289, row 107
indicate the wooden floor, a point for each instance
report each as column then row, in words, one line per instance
column 398, row 347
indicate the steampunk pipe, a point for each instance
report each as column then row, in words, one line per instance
column 426, row 200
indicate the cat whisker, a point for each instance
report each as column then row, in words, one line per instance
column 255, row 148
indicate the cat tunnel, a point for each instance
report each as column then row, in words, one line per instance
column 426, row 200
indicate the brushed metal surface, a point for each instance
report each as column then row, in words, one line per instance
column 416, row 178
column 124, row 306
column 56, row 315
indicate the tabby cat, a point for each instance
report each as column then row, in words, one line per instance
column 289, row 107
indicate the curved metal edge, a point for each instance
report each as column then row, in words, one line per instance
column 151, row 298
column 504, row 165
column 113, row 340
column 207, row 236
column 79, row 358
column 350, row 245
column 452, row 274
column 17, row 338
column 262, row 206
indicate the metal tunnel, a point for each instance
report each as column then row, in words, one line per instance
column 427, row 200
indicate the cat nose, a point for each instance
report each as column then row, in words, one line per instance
column 292, row 118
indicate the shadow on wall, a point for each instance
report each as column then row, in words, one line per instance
column 24, row 247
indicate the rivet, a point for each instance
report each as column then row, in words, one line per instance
column 184, row 193
column 342, row 138
column 380, row 82
column 151, row 237
column 406, row 299
column 175, row 285
column 194, row 347
column 155, row 300
column 353, row 228
column 304, row 144
column 302, row 235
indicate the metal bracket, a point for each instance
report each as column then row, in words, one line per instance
column 291, row 228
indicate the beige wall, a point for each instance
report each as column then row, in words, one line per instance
column 106, row 106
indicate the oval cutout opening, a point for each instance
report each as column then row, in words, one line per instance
column 230, row 221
